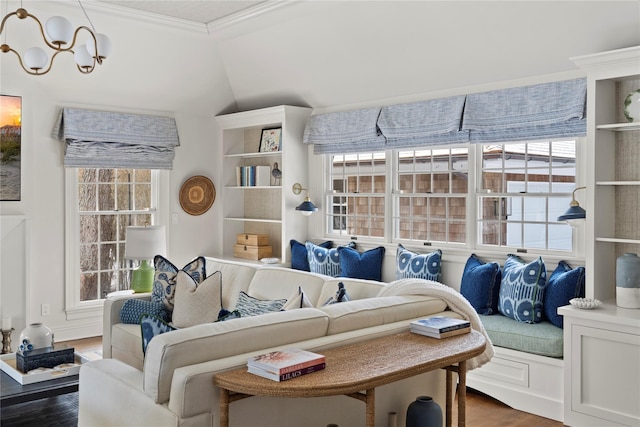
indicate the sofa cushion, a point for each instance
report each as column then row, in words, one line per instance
column 196, row 303
column 164, row 281
column 522, row 289
column 365, row 265
column 411, row 265
column 480, row 284
column 250, row 306
column 297, row 300
column 288, row 280
column 371, row 312
column 564, row 284
column 299, row 255
column 538, row 338
column 236, row 277
column 150, row 326
column 323, row 260
column 134, row 308
column 356, row 289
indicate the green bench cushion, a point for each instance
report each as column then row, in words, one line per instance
column 541, row 338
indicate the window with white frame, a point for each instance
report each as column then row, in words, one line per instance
column 106, row 202
column 510, row 193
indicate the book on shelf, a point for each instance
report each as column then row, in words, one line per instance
column 253, row 176
column 263, row 176
column 441, row 334
column 285, row 361
column 287, row 375
column 439, row 324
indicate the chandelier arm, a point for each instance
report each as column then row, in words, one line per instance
column 5, row 20
column 33, row 73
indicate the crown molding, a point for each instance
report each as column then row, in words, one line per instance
column 247, row 14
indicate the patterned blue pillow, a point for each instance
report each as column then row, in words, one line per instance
column 164, row 281
column 522, row 289
column 565, row 283
column 323, row 260
column 133, row 309
column 413, row 265
column 299, row 257
column 340, row 296
column 365, row 265
column 481, row 284
column 249, row 306
column 235, row 314
column 150, row 326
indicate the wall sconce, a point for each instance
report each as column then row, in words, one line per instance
column 143, row 244
column 306, row 207
column 575, row 212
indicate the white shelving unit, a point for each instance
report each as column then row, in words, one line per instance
column 602, row 346
column 263, row 209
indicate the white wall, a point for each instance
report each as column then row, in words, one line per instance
column 153, row 70
column 328, row 55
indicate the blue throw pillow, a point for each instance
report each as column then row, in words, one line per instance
column 366, row 265
column 164, row 281
column 299, row 257
column 522, row 289
column 565, row 284
column 133, row 309
column 481, row 284
column 413, row 265
column 340, row 296
column 150, row 326
column 323, row 260
column 249, row 306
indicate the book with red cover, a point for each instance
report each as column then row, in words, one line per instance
column 284, row 361
column 288, row 375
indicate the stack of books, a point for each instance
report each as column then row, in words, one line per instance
column 440, row 326
column 286, row 364
column 253, row 176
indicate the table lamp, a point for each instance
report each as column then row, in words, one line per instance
column 143, row 244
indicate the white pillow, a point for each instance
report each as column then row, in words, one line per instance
column 297, row 300
column 196, row 304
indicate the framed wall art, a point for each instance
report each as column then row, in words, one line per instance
column 270, row 140
column 10, row 147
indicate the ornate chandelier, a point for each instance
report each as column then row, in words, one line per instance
column 59, row 35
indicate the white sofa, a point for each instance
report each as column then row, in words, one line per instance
column 173, row 384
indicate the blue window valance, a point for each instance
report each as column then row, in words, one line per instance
column 542, row 111
column 116, row 140
column 435, row 121
column 344, row 132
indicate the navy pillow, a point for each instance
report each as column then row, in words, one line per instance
column 522, row 289
column 481, row 284
column 133, row 309
column 366, row 265
column 299, row 260
column 565, row 284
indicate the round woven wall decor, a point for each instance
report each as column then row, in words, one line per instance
column 197, row 195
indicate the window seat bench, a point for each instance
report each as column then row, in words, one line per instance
column 526, row 371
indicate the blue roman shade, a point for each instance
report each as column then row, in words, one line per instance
column 116, row 140
column 542, row 111
column 435, row 121
column 344, row 132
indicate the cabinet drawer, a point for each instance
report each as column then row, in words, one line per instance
column 252, row 239
column 505, row 370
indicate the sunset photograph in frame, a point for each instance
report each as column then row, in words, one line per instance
column 10, row 147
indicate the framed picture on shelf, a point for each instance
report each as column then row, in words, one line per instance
column 270, row 140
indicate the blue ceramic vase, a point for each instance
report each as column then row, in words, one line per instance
column 628, row 281
column 424, row 412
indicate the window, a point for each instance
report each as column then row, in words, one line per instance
column 524, row 189
column 357, row 194
column 505, row 195
column 105, row 201
column 431, row 195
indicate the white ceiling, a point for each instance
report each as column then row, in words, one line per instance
column 201, row 11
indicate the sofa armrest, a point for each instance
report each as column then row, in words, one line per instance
column 111, row 316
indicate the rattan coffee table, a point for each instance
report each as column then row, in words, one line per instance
column 355, row 370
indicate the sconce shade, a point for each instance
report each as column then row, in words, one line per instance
column 144, row 243
column 574, row 211
column 306, row 207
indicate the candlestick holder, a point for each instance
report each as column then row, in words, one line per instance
column 6, row 340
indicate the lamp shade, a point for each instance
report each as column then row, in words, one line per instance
column 144, row 243
column 59, row 30
column 306, row 207
column 574, row 212
column 35, row 58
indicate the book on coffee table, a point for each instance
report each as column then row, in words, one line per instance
column 280, row 362
column 288, row 375
column 440, row 326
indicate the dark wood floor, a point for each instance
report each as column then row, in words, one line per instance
column 482, row 410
